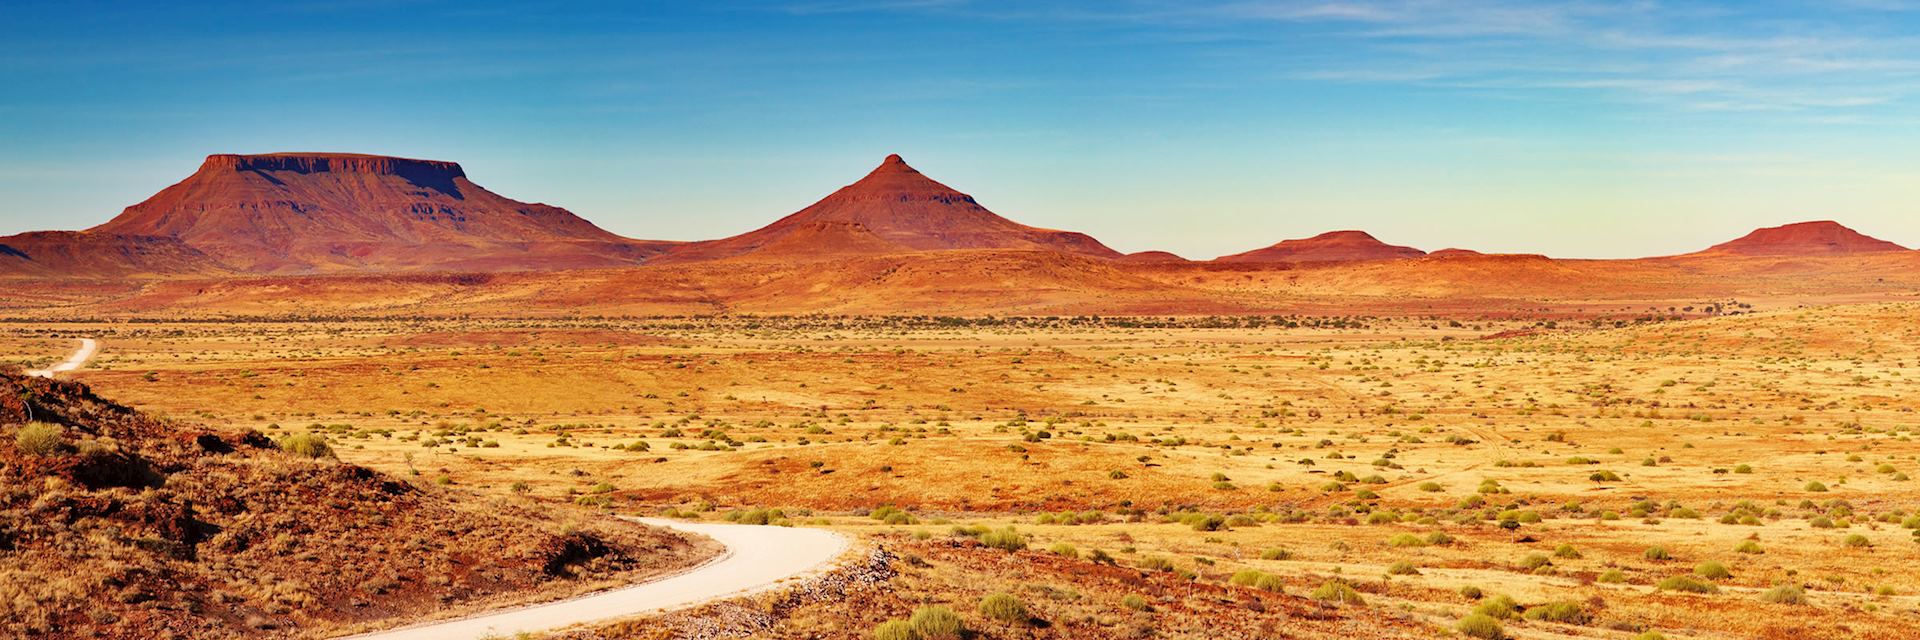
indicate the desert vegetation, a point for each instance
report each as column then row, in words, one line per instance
column 1489, row 477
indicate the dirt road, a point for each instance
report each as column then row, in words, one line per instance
column 87, row 348
column 757, row 557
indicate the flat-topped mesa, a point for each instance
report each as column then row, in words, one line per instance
column 317, row 212
column 333, row 163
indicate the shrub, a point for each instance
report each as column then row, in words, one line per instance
column 1481, row 626
column 1135, row 602
column 1245, row 577
column 1712, row 570
column 937, row 623
column 1612, row 576
column 1337, row 591
column 1471, row 592
column 1499, row 607
column 1276, row 553
column 1656, row 554
column 1535, row 561
column 1651, row 635
column 1403, row 568
column 1270, row 583
column 1005, row 539
column 1004, row 607
column 1785, row 594
column 1406, row 540
column 1749, row 546
column 1563, row 612
column 1815, row 487
column 1684, row 583
column 40, row 438
column 1566, row 551
column 306, row 445
column 1064, row 549
column 1156, row 563
column 894, row 630
column 1856, row 540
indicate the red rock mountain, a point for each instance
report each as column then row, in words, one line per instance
column 1332, row 246
column 894, row 209
column 1823, row 237
column 307, row 212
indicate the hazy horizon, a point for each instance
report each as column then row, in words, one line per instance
column 1574, row 130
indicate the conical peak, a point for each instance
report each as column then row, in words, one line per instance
column 894, row 164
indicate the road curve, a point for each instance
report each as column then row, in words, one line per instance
column 756, row 558
column 87, row 348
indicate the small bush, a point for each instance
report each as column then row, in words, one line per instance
column 1276, row 553
column 1562, row 612
column 1005, row 539
column 1612, row 576
column 1245, row 577
column 1481, row 626
column 1134, row 602
column 1785, row 594
column 937, row 623
column 1566, row 551
column 1270, row 583
column 1500, row 607
column 1535, row 561
column 1406, row 540
column 1064, row 549
column 1337, row 591
column 1656, row 554
column 1403, row 568
column 306, row 445
column 40, row 438
column 1005, row 608
column 1686, row 584
column 1857, row 541
column 1712, row 570
column 894, row 630
column 1749, row 546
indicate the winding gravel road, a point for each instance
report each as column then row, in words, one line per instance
column 757, row 557
column 87, row 348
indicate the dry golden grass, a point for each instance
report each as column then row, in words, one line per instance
column 1328, row 440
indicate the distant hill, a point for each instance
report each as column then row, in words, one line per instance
column 903, row 210
column 1332, row 246
column 1823, row 237
column 327, row 212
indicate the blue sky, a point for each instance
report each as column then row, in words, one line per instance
column 1574, row 129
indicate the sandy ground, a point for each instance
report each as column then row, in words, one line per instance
column 88, row 346
column 757, row 557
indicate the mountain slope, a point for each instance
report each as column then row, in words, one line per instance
column 84, row 254
column 899, row 206
column 1821, row 237
column 1332, row 246
column 315, row 212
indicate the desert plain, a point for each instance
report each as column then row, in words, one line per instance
column 1731, row 475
